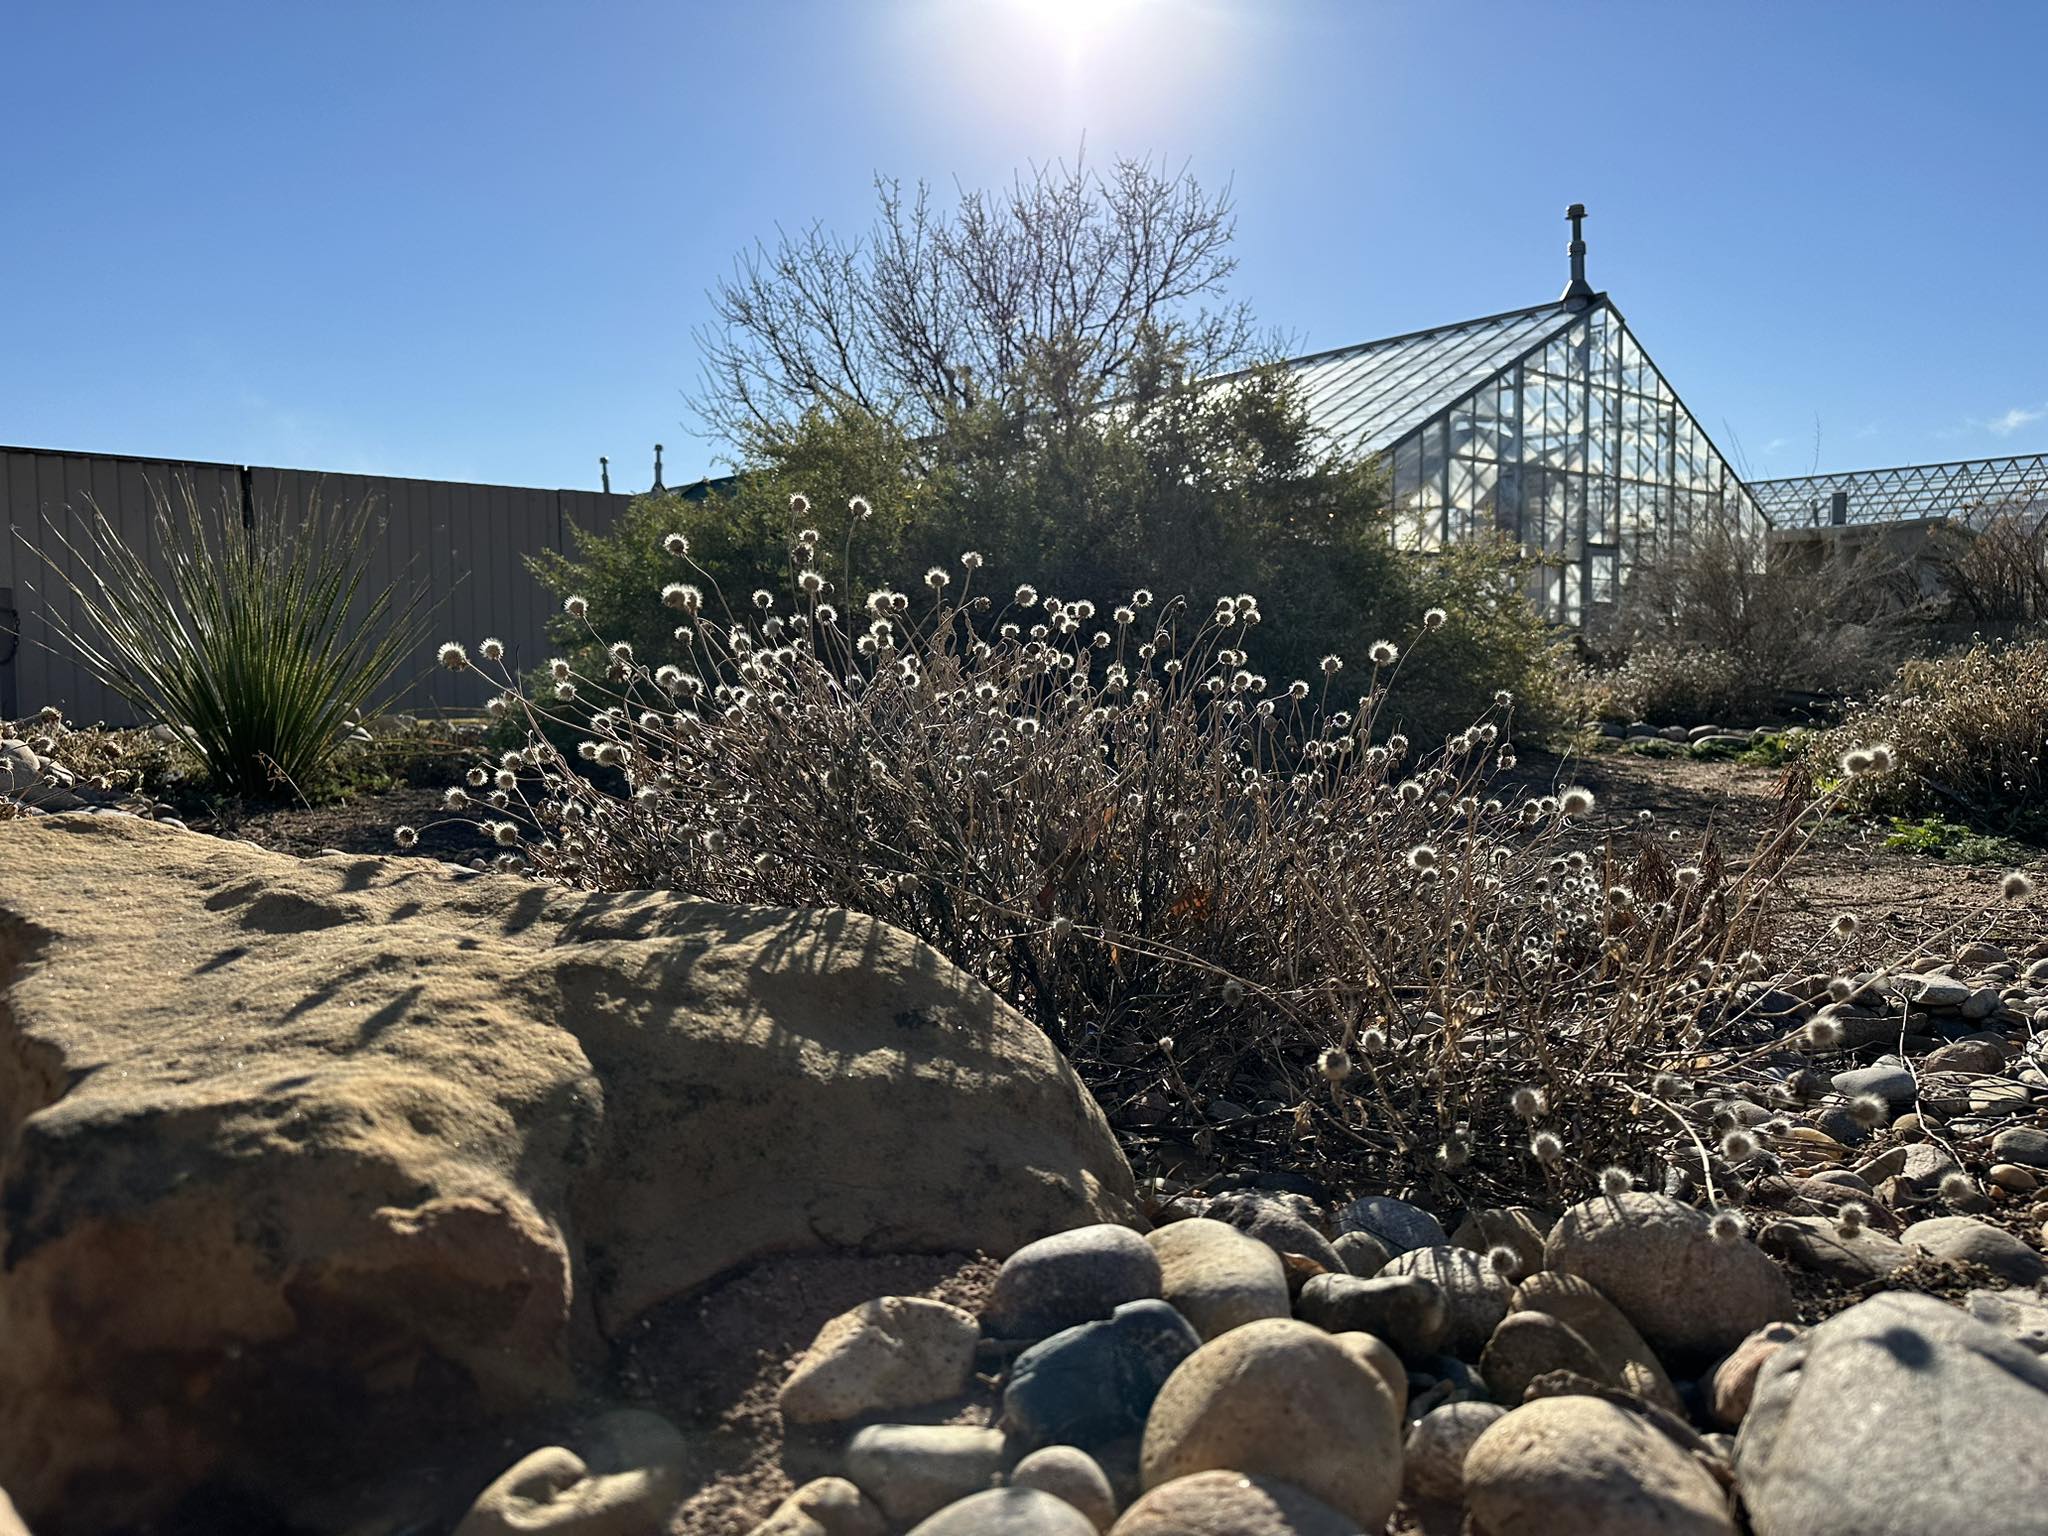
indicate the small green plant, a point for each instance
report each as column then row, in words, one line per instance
column 1952, row 840
column 241, row 633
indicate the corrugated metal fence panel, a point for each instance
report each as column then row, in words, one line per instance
column 465, row 545
column 48, row 498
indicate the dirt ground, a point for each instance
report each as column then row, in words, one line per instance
column 1904, row 899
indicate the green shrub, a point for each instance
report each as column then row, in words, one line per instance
column 1968, row 737
column 251, row 647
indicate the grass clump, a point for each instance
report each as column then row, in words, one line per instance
column 243, row 633
column 1968, row 733
column 1952, row 840
column 1242, row 891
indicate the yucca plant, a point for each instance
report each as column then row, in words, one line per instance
column 243, row 634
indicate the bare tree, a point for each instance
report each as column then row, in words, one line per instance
column 1070, row 277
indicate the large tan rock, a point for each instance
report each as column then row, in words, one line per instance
column 286, row 1145
column 1585, row 1466
column 1281, row 1399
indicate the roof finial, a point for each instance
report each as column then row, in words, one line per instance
column 604, row 472
column 657, row 486
column 1578, row 292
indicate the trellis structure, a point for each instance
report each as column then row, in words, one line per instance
column 1973, row 492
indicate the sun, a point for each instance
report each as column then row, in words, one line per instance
column 1074, row 22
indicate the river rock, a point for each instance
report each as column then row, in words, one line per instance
column 1362, row 1254
column 1282, row 1399
column 1476, row 1293
column 913, row 1470
column 1732, row 1383
column 2022, row 1144
column 1518, row 1228
column 1531, row 1344
column 825, row 1506
column 1378, row 1354
column 1587, row 1467
column 1933, row 991
column 2022, row 1317
column 1818, row 1245
column 1692, row 1298
column 1094, row 1383
column 1972, row 1241
column 1007, row 1512
column 1901, row 1416
column 1895, row 1085
column 553, row 1493
column 892, row 1352
column 1231, row 1504
column 1069, row 1473
column 1410, row 1312
column 1396, row 1223
column 1078, row 1276
column 1218, row 1277
column 1626, row 1356
column 1433, row 1464
column 1280, row 1224
column 384, row 1124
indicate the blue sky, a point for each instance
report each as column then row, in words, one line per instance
column 470, row 241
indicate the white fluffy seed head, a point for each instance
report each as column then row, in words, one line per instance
column 1546, row 1147
column 1504, row 1261
column 2017, row 886
column 1727, row 1226
column 1527, row 1102
column 1851, row 1217
column 1958, row 1188
column 1576, row 801
column 1334, row 1064
column 1615, row 1182
column 407, row 837
column 453, row 656
column 1824, row 1034
column 1867, row 1109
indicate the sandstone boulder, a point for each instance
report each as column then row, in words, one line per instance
column 289, row 1144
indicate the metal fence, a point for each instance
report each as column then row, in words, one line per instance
column 465, row 544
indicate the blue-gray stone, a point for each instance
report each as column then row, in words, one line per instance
column 1095, row 1383
column 1396, row 1223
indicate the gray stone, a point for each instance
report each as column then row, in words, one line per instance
column 2022, row 1144
column 1895, row 1085
column 1691, row 1297
column 1069, row 1473
column 1531, row 1344
column 892, row 1352
column 913, row 1470
column 1899, row 1417
column 1281, row 1399
column 2000, row 1096
column 1982, row 1003
column 1973, row 1055
column 2021, row 1317
column 1817, row 1245
column 1396, row 1223
column 1933, row 991
column 1972, row 1241
column 1363, row 1254
column 1587, row 1467
column 1007, row 1512
column 1231, row 1504
column 1477, row 1294
column 1095, row 1382
column 1077, row 1276
column 1280, row 1225
column 1410, row 1312
column 20, row 768
column 1218, row 1277
column 1982, row 952
column 1433, row 1463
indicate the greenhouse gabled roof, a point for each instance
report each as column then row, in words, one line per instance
column 1368, row 396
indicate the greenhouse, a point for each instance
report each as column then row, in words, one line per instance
column 1972, row 492
column 1548, row 425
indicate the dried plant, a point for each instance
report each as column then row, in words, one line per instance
column 1201, row 881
